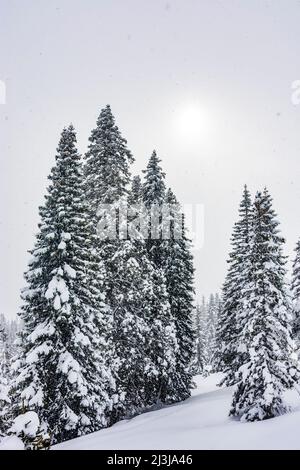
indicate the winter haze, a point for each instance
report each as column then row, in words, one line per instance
column 232, row 62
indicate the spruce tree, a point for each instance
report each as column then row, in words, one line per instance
column 4, row 351
column 296, row 295
column 129, row 273
column 154, row 197
column 210, row 335
column 61, row 369
column 267, row 369
column 179, row 272
column 162, row 345
column 228, row 329
column 218, row 354
column 136, row 369
column 10, row 329
column 218, row 307
column 200, row 359
column 4, row 383
column 107, row 166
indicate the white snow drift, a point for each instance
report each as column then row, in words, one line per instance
column 200, row 422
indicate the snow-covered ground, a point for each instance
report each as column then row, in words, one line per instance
column 201, row 422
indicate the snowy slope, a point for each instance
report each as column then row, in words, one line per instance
column 200, row 422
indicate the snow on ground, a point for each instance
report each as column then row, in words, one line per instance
column 201, row 422
column 11, row 443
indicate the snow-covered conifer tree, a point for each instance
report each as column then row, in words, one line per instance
column 268, row 368
column 162, row 343
column 228, row 328
column 129, row 273
column 218, row 353
column 61, row 371
column 210, row 335
column 218, row 306
column 200, row 344
column 107, row 166
column 154, row 196
column 179, row 272
column 4, row 383
column 136, row 369
column 10, row 329
column 4, row 350
column 296, row 294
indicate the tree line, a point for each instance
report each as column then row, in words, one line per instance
column 109, row 328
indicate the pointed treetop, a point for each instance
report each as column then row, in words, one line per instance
column 171, row 198
column 68, row 134
column 66, row 148
column 154, row 186
column 246, row 192
column 265, row 225
column 154, row 162
column 241, row 230
column 263, row 205
column 246, row 198
column 107, row 168
column 106, row 128
column 105, row 120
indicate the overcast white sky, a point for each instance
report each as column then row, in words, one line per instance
column 232, row 62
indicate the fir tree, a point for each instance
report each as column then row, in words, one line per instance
column 62, row 374
column 296, row 294
column 154, row 197
column 133, row 295
column 162, row 345
column 218, row 354
column 218, row 307
column 107, row 176
column 4, row 351
column 229, row 329
column 107, row 167
column 179, row 272
column 206, row 320
column 133, row 325
column 268, row 369
column 154, row 189
column 200, row 359
column 129, row 273
column 4, row 383
column 210, row 335
column 10, row 330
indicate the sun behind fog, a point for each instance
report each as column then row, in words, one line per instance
column 191, row 122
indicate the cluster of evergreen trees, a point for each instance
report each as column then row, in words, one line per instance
column 108, row 326
column 8, row 334
column 256, row 323
column 206, row 319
